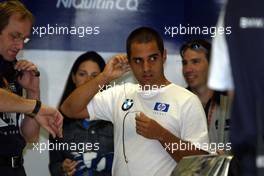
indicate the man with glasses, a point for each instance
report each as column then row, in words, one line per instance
column 16, row 75
column 156, row 122
column 195, row 64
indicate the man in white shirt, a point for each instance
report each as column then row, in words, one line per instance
column 156, row 122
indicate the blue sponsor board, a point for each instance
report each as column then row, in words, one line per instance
column 103, row 25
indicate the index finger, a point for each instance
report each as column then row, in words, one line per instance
column 24, row 64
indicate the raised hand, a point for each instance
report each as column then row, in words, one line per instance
column 29, row 79
column 116, row 67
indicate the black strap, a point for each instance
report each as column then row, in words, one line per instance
column 37, row 107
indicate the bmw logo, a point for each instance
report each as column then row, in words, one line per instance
column 128, row 103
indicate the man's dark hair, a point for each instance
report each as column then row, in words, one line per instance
column 144, row 35
column 197, row 45
column 8, row 8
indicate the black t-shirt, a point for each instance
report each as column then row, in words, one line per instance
column 12, row 143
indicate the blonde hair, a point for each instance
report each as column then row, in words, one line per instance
column 11, row 7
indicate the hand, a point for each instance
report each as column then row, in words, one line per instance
column 68, row 166
column 148, row 127
column 116, row 67
column 28, row 80
column 50, row 119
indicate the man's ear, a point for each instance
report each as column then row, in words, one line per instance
column 164, row 57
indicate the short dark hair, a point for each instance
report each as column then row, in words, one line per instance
column 197, row 44
column 144, row 35
column 88, row 56
column 8, row 8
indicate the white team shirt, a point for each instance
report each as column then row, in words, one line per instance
column 173, row 107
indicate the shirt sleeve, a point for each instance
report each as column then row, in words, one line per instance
column 194, row 125
column 220, row 76
column 101, row 106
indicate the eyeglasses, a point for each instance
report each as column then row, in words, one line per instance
column 18, row 37
column 193, row 46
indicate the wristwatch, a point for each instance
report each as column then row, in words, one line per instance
column 35, row 110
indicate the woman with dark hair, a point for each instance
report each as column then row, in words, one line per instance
column 87, row 145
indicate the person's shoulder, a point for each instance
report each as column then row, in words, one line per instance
column 180, row 91
column 180, row 94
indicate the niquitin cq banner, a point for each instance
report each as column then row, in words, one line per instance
column 103, row 25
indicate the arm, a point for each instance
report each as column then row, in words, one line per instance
column 29, row 127
column 48, row 117
column 149, row 128
column 10, row 102
column 75, row 106
column 169, row 141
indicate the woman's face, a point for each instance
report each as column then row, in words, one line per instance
column 86, row 71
